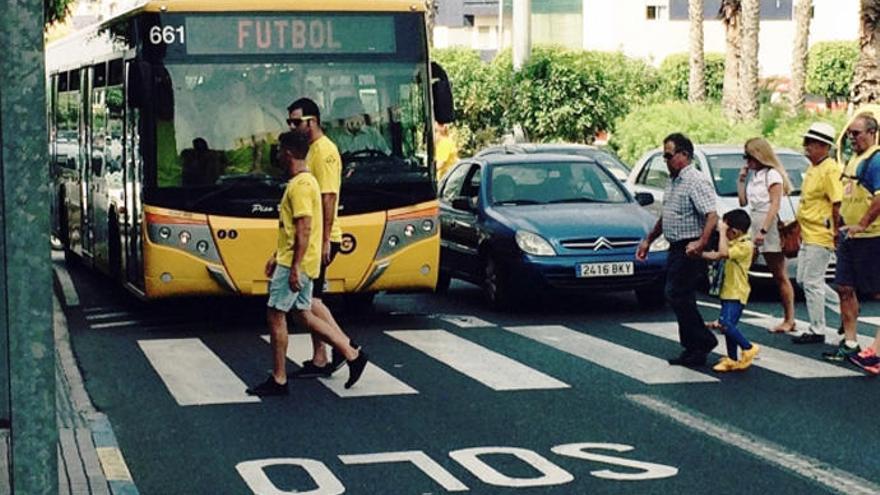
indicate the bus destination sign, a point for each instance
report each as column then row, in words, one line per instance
column 289, row 34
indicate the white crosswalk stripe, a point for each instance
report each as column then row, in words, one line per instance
column 769, row 323
column 193, row 373
column 642, row 367
column 494, row 370
column 374, row 382
column 786, row 363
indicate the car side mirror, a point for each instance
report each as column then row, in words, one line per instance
column 462, row 203
column 644, row 198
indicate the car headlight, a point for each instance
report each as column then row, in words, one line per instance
column 659, row 244
column 534, row 244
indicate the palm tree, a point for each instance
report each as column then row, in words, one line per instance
column 730, row 14
column 431, row 19
column 803, row 11
column 747, row 108
column 697, row 81
column 866, row 80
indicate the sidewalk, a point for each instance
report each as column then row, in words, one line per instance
column 89, row 459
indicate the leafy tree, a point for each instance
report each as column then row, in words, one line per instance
column 675, row 70
column 830, row 69
column 56, row 10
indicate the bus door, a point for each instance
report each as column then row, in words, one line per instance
column 97, row 197
column 85, row 168
column 131, row 192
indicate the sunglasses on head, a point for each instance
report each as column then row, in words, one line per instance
column 296, row 121
column 668, row 156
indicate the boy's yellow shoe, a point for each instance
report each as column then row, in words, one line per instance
column 748, row 355
column 725, row 364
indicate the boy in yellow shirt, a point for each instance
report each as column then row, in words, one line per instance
column 736, row 249
column 293, row 268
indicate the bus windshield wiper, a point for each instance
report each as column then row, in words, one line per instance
column 235, row 182
column 517, row 202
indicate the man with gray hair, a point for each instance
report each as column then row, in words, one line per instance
column 688, row 221
column 818, row 216
column 857, row 270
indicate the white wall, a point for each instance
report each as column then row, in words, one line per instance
column 621, row 25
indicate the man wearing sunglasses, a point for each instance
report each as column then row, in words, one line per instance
column 857, row 270
column 324, row 161
column 688, row 221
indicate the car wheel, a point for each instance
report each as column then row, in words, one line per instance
column 496, row 286
column 443, row 281
column 653, row 296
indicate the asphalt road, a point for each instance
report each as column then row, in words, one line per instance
column 569, row 396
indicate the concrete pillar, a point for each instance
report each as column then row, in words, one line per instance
column 28, row 359
column 522, row 32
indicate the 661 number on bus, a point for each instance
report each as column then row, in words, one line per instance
column 167, row 35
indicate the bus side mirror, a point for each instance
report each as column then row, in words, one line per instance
column 441, row 90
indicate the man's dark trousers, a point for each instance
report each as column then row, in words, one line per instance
column 683, row 277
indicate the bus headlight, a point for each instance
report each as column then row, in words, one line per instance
column 202, row 246
column 659, row 244
column 184, row 237
column 534, row 244
column 409, row 230
column 427, row 225
column 164, row 232
column 393, row 241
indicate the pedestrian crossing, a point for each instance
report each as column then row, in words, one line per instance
column 195, row 376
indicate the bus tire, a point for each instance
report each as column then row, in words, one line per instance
column 64, row 230
column 360, row 302
column 443, row 281
column 114, row 247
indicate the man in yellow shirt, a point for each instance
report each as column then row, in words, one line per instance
column 445, row 151
column 293, row 267
column 324, row 161
column 736, row 249
column 818, row 215
column 857, row 269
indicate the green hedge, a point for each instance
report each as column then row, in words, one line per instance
column 559, row 95
column 674, row 76
column 645, row 128
column 830, row 69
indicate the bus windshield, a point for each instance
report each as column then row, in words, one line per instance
column 223, row 130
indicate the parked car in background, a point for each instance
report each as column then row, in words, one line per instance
column 522, row 224
column 608, row 160
column 721, row 165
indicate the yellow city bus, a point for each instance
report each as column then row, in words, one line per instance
column 163, row 136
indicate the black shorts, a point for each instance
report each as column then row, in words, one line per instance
column 857, row 266
column 318, row 285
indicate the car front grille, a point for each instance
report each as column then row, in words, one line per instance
column 600, row 243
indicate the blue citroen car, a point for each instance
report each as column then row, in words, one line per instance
column 519, row 225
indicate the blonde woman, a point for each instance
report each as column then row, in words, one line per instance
column 763, row 195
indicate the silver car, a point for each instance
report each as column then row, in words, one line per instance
column 721, row 164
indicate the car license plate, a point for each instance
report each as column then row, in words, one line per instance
column 619, row 269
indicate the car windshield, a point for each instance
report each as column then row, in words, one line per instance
column 554, row 182
column 725, row 171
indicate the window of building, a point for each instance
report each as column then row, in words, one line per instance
column 654, row 12
column 771, row 10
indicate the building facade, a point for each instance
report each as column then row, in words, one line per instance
column 648, row 29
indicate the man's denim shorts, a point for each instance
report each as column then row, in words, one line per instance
column 282, row 297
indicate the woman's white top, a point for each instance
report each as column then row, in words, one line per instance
column 758, row 188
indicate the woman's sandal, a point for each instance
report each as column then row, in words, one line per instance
column 781, row 328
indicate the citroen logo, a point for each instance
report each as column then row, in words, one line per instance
column 602, row 243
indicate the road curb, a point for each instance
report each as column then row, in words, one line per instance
column 103, row 446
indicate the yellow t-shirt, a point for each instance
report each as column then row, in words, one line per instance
column 856, row 198
column 324, row 161
column 736, row 270
column 445, row 155
column 302, row 198
column 820, row 190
